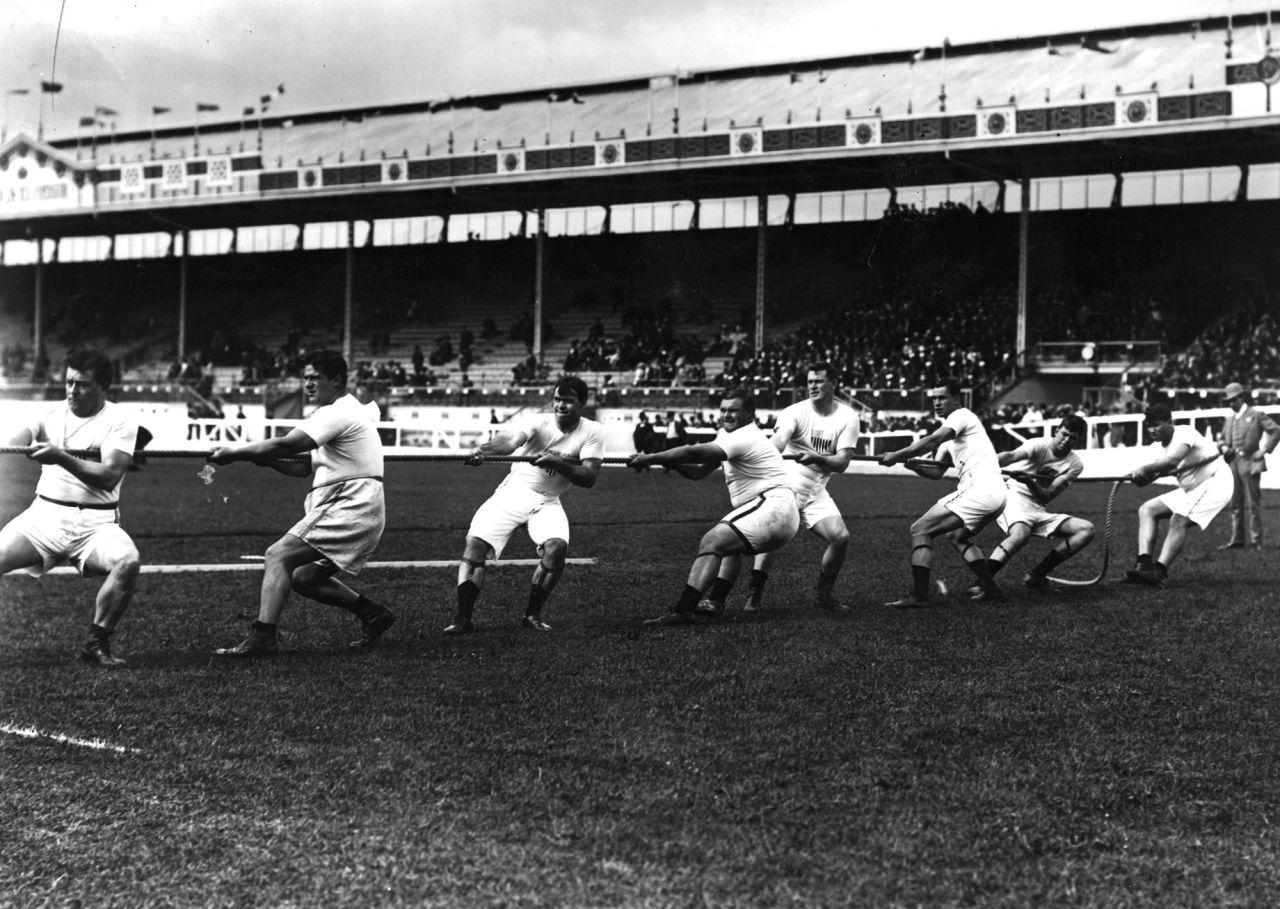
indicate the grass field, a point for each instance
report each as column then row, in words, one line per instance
column 1105, row 746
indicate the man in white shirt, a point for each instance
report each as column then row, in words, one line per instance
column 1205, row 487
column 820, row 435
column 1045, row 467
column 345, row 510
column 764, row 515
column 977, row 501
column 76, row 516
column 568, row 450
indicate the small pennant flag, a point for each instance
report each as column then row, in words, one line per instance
column 1090, row 43
column 265, row 99
column 1053, row 51
column 19, row 91
column 50, row 87
column 105, row 112
column 201, row 107
column 88, row 121
column 157, row 111
column 248, row 112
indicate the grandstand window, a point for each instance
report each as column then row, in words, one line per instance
column 215, row 242
column 575, row 222
column 83, row 249
column 1264, row 181
column 717, row 213
column 324, row 235
column 20, row 252
column 652, row 217
column 407, row 231
column 1099, row 189
column 142, row 246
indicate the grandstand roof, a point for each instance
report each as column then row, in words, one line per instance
column 1051, row 105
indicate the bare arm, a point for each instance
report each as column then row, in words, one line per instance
column 690, row 461
column 927, row 443
column 99, row 475
column 582, row 474
column 269, row 452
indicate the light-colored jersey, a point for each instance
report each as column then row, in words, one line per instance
column 110, row 429
column 346, row 432
column 754, row 465
column 975, row 456
column 1201, row 452
column 1043, row 463
column 808, row 432
column 585, row 441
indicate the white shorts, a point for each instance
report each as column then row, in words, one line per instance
column 1022, row 509
column 767, row 522
column 344, row 521
column 817, row 508
column 512, row 505
column 61, row 533
column 976, row 506
column 1202, row 504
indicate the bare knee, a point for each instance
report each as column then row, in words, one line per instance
column 553, row 553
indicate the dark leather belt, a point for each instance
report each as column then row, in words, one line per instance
column 96, row 506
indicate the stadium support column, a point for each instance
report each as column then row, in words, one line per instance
column 182, row 296
column 762, row 224
column 37, row 319
column 348, row 348
column 539, row 249
column 1024, row 232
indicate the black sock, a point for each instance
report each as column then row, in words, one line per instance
column 826, row 580
column 537, row 598
column 689, row 598
column 979, row 568
column 1162, row 568
column 97, row 631
column 468, row 593
column 758, row 578
column 920, row 582
column 993, row 566
column 266, row 629
column 720, row 588
column 366, row 609
column 1144, row 560
column 1051, row 561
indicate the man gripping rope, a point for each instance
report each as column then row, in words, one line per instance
column 345, row 510
column 977, row 501
column 568, row 450
column 764, row 515
column 76, row 513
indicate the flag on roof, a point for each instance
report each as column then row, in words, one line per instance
column 202, row 107
column 88, row 121
column 1088, row 42
column 1053, row 51
column 51, row 87
column 19, row 91
column 156, row 111
column 105, row 112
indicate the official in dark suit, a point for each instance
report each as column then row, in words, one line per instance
column 1247, row 438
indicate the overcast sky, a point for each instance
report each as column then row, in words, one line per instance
column 131, row 55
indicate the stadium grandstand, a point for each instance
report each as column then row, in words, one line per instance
column 1074, row 220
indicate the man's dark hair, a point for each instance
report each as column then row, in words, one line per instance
column 573, row 385
column 954, row 387
column 832, row 373
column 92, row 362
column 1075, row 424
column 1159, row 413
column 330, row 364
column 743, row 394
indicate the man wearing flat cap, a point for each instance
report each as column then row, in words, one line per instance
column 1247, row 438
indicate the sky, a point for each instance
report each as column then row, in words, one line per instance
column 132, row 55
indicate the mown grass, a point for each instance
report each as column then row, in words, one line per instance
column 1107, row 746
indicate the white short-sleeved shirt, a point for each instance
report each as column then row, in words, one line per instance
column 346, row 434
column 808, row 432
column 975, row 456
column 585, row 441
column 1201, row 452
column 754, row 465
column 110, row 429
column 1042, row 462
